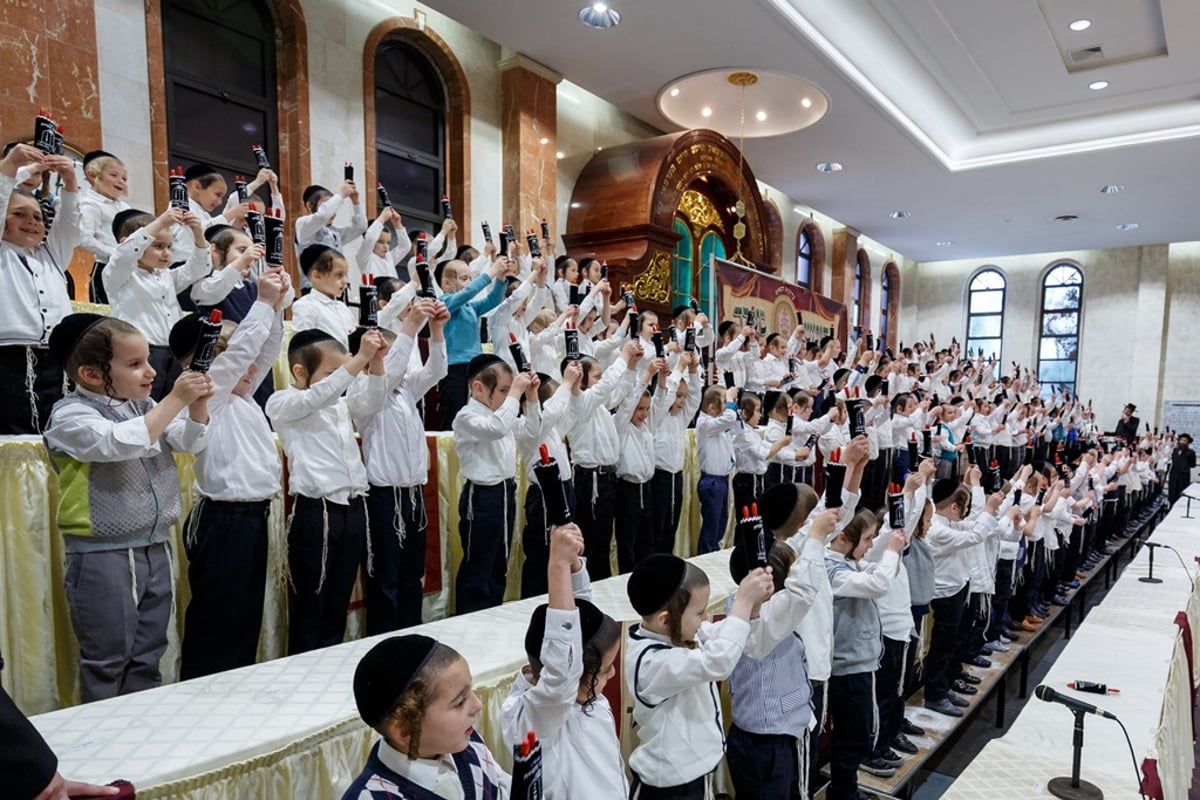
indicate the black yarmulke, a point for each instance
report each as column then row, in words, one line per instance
column 777, row 504
column 306, row 337
column 873, row 382
column 481, row 362
column 943, row 489
column 67, row 334
column 654, row 581
column 590, row 620
column 121, row 217
column 680, row 310
column 198, row 171
column 213, row 231
column 92, row 155
column 385, row 672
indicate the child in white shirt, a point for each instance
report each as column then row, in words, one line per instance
column 326, row 478
column 714, row 449
column 634, row 520
column 322, row 308
column 107, row 186
column 682, row 389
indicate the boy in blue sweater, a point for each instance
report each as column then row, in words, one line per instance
column 459, row 293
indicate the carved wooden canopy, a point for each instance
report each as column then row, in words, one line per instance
column 624, row 204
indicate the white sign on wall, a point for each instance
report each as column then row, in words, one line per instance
column 1182, row 416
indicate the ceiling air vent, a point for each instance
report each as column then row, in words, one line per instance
column 1085, row 55
column 1065, row 217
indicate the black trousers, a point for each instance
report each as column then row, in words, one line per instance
column 485, row 522
column 814, row 737
column 852, row 711
column 666, row 491
column 688, row 791
column 96, row 291
column 452, row 393
column 166, row 369
column 395, row 585
column 875, row 481
column 21, row 413
column 1000, row 600
column 633, row 523
column 535, row 539
column 595, row 495
column 888, row 693
column 975, row 626
column 747, row 489
column 940, row 663
column 226, row 546
column 325, row 548
column 763, row 764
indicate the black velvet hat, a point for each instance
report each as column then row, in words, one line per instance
column 386, row 671
column 943, row 489
column 184, row 335
column 653, row 582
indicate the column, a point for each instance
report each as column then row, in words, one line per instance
column 843, row 258
column 529, row 120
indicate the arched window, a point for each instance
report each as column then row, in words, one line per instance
column 810, row 257
column 1062, row 311
column 985, row 313
column 219, row 71
column 711, row 245
column 889, row 304
column 859, row 311
column 410, row 134
column 681, row 266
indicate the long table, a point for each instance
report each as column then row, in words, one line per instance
column 1133, row 640
column 288, row 727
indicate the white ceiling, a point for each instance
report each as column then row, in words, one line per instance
column 970, row 114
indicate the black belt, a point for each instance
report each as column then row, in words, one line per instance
column 604, row 469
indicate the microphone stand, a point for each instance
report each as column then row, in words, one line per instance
column 1187, row 514
column 1150, row 578
column 1073, row 788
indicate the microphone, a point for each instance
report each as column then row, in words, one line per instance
column 1048, row 695
column 1153, row 544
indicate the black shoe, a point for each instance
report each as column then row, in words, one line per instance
column 957, row 699
column 962, row 687
column 878, row 768
column 908, row 729
column 890, row 757
column 943, row 706
column 980, row 661
column 902, row 744
column 1059, row 600
column 968, row 678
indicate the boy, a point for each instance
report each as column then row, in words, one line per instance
column 714, row 450
column 487, row 452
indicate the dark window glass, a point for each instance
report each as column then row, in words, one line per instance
column 804, row 259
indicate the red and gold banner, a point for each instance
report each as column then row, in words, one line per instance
column 774, row 306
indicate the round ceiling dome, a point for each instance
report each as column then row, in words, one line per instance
column 774, row 102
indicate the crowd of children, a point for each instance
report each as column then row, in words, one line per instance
column 951, row 486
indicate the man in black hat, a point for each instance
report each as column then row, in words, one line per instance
column 1127, row 425
column 1183, row 461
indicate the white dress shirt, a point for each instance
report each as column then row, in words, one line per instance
column 33, row 291
column 242, row 463
column 593, row 436
column 325, row 313
column 635, row 463
column 314, row 426
column 146, row 298
column 670, row 430
column 393, row 437
column 547, row 426
column 96, row 214
column 714, row 441
column 486, row 443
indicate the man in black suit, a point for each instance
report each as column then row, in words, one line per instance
column 29, row 766
column 1127, row 425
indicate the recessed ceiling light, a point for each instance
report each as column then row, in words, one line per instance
column 675, row 92
column 829, row 166
column 706, row 112
column 1096, row 86
column 1080, row 25
column 1111, row 188
column 560, row 154
column 945, row 243
column 576, row 204
column 1128, row 226
column 544, row 140
column 804, row 101
column 599, row 15
column 900, row 215
column 761, row 116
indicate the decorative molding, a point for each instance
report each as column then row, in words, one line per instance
column 517, row 60
column 654, row 282
column 700, row 211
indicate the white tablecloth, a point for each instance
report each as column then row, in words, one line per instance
column 288, row 727
column 1130, row 642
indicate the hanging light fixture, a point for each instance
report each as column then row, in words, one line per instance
column 599, row 15
column 742, row 79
